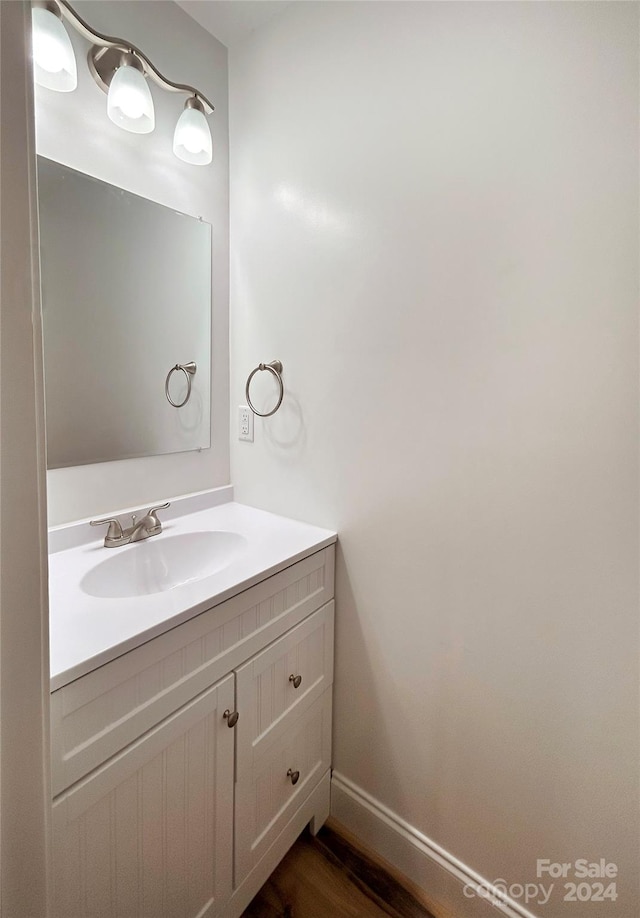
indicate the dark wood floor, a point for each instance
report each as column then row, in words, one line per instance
column 326, row 877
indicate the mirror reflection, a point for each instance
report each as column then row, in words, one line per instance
column 126, row 298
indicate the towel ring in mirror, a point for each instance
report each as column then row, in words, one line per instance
column 275, row 368
column 189, row 370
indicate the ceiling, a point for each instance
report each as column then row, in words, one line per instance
column 231, row 21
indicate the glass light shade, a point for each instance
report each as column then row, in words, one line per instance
column 192, row 138
column 54, row 63
column 129, row 103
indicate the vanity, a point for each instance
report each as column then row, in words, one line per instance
column 190, row 709
column 191, row 672
column 191, row 647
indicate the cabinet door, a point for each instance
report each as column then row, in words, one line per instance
column 150, row 833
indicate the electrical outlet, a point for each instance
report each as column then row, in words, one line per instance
column 245, row 423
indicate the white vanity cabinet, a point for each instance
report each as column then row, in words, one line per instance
column 162, row 809
column 148, row 832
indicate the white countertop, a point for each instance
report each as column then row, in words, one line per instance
column 87, row 631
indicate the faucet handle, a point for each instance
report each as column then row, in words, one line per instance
column 114, row 532
column 151, row 517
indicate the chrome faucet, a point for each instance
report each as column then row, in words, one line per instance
column 148, row 526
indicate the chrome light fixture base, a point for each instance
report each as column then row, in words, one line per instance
column 134, row 110
column 49, row 5
column 99, row 40
column 104, row 60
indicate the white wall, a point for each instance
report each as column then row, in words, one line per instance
column 73, row 128
column 24, row 656
column 435, row 228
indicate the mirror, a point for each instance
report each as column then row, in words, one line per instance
column 126, row 296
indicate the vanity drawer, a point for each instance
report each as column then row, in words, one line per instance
column 102, row 712
column 265, row 796
column 281, row 682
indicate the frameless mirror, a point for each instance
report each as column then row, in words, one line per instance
column 126, row 297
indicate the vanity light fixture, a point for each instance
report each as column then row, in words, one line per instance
column 129, row 102
column 54, row 63
column 192, row 138
column 123, row 72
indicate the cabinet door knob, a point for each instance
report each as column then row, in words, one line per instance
column 294, row 775
column 231, row 717
column 296, row 680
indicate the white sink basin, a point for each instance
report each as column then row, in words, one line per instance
column 162, row 563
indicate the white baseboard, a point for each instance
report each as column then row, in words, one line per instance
column 441, row 875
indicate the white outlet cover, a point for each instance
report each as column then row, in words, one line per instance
column 245, row 423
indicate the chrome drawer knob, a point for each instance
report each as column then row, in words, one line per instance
column 294, row 775
column 231, row 717
column 297, row 680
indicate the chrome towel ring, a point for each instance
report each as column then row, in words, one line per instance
column 189, row 370
column 275, row 368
